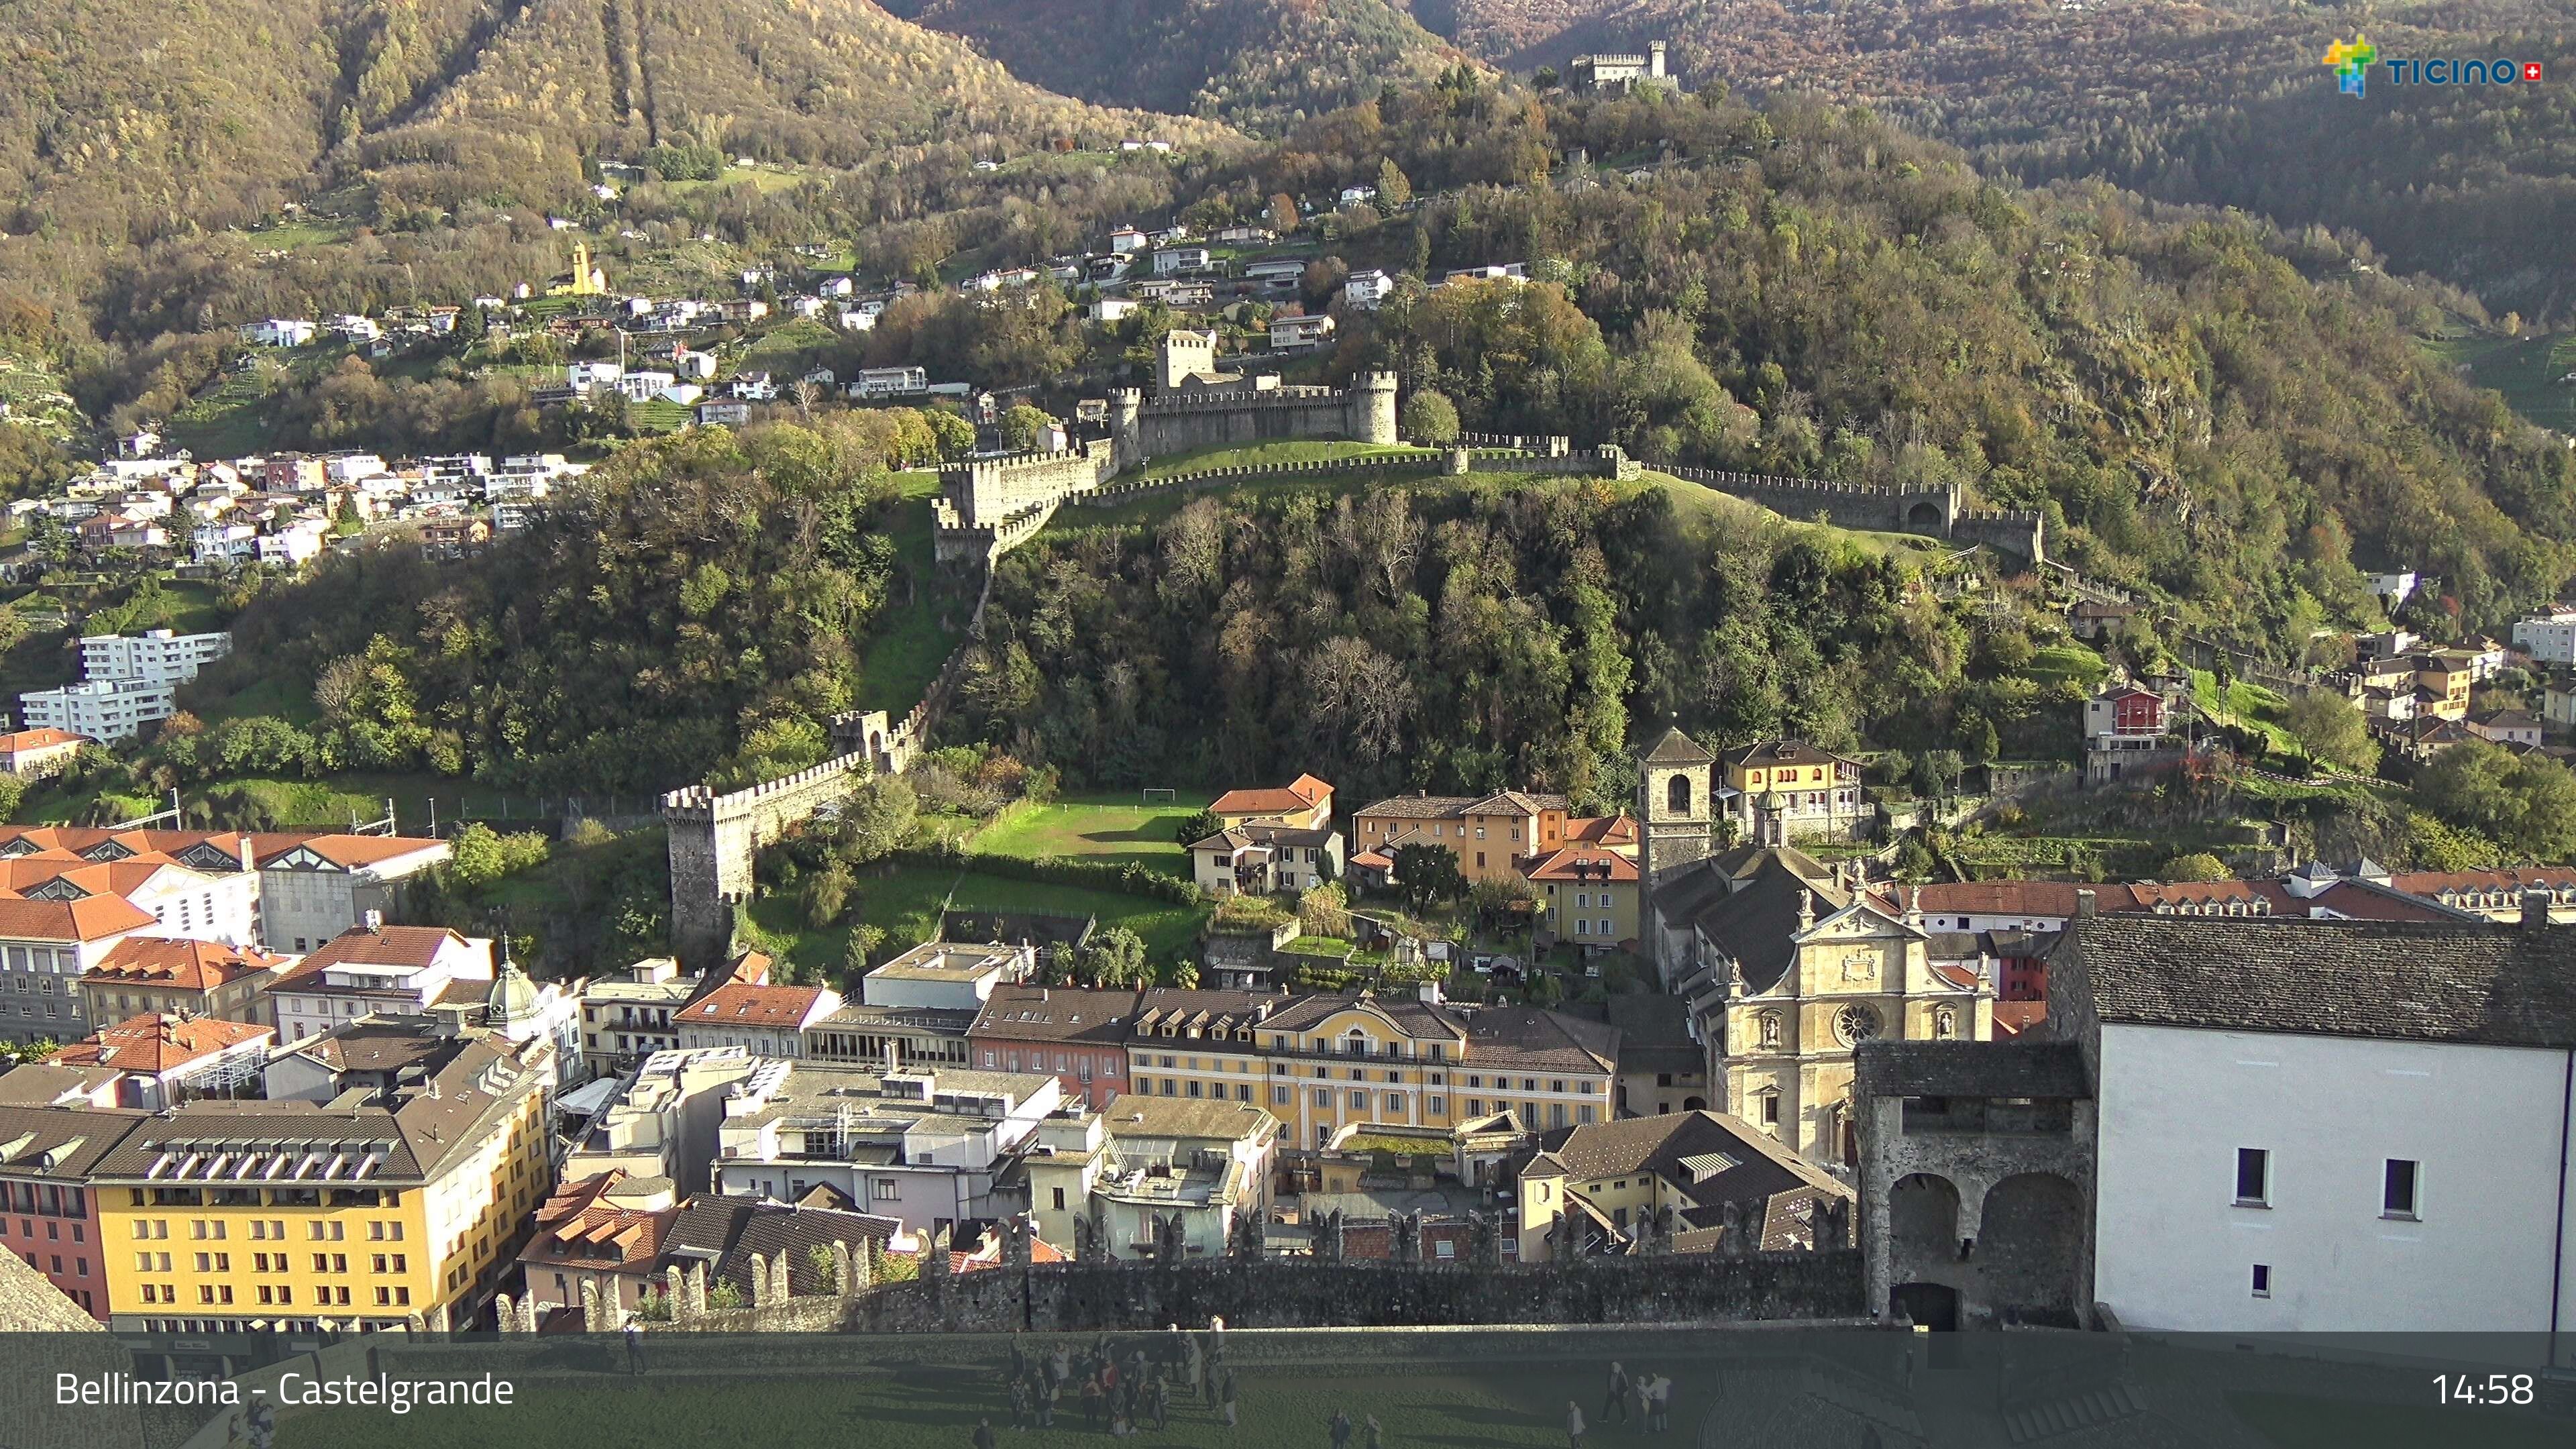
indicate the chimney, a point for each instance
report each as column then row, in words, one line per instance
column 2535, row 908
column 2085, row 909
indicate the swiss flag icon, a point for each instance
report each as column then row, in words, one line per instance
column 2531, row 71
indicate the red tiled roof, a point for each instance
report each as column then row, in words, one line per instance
column 411, row 946
column 41, row 738
column 1602, row 829
column 349, row 852
column 94, row 918
column 190, row 965
column 1584, row 863
column 2012, row 1018
column 1301, row 794
column 741, row 1005
column 153, row 1044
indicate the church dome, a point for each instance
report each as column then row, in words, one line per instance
column 513, row 997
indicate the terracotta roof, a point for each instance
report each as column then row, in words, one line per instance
column 578, row 1225
column 152, row 1044
column 410, row 946
column 1617, row 829
column 744, row 1005
column 2012, row 1018
column 187, row 965
column 352, row 852
column 1584, row 863
column 92, row 918
column 1301, row 794
column 40, row 738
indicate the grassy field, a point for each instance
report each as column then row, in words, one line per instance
column 2248, row 704
column 2068, row 662
column 1173, row 464
column 915, row 1408
column 1113, row 826
column 2526, row 371
column 911, row 641
column 905, row 902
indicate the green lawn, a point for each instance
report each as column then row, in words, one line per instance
column 918, row 1407
column 905, row 902
column 2066, row 662
column 2248, row 704
column 1230, row 456
column 2526, row 371
column 1114, row 826
column 913, row 636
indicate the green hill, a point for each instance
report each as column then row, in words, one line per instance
column 1257, row 63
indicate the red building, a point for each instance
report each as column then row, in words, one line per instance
column 47, row 1214
column 1081, row 1036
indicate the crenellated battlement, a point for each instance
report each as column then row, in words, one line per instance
column 1220, row 401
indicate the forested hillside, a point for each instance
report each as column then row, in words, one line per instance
column 1257, row 63
column 2218, row 103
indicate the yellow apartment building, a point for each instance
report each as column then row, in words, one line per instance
column 360, row 1214
column 1322, row 1062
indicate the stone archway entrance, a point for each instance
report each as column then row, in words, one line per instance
column 1925, row 516
column 1932, row 1305
column 2029, row 1243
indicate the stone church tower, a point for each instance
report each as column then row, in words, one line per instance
column 1673, row 808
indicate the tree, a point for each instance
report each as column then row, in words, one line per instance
column 1430, row 419
column 860, row 951
column 13, row 793
column 1198, row 827
column 2223, row 672
column 1024, row 428
column 1544, row 78
column 877, row 818
column 827, row 894
column 1282, row 214
column 1394, row 191
column 2199, row 865
column 2528, row 803
column 2328, row 727
column 1425, row 873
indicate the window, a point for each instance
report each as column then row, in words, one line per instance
column 1677, row 794
column 1279, row 1096
column 2253, row 1177
column 1059, row 1199
column 2262, row 1280
column 1436, row 1106
column 1323, row 1096
column 1770, row 1109
column 885, row 1189
column 1359, row 1101
column 2398, row 1189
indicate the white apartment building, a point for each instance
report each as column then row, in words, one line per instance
column 922, row 1147
column 879, row 382
column 630, row 1016
column 103, row 709
column 663, row 1121
column 2548, row 638
column 2327, row 1125
column 158, row 656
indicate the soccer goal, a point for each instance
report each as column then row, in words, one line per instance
column 1162, row 797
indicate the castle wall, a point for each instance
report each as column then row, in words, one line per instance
column 714, row 837
column 1176, row 424
column 1931, row 512
column 990, row 491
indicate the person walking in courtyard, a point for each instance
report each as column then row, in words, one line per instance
column 984, row 1434
column 634, row 1347
column 1573, row 1425
column 1091, row 1403
column 1019, row 1404
column 1225, row 1407
column 1376, row 1437
column 1340, row 1427
column 1616, row 1400
column 1162, row 1403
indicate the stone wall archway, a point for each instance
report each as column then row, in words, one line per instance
column 2029, row 1249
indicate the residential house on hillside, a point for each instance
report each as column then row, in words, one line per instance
column 1261, row 857
column 2128, row 734
column 2512, row 727
column 1494, row 836
column 36, row 753
column 1783, row 792
column 1305, row 802
column 1587, row 893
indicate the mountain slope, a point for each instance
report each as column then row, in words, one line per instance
column 234, row 105
column 1257, row 63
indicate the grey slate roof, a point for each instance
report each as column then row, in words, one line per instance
column 2404, row 980
column 1676, row 748
column 1887, row 1068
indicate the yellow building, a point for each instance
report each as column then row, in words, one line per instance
column 584, row 280
column 1670, row 1177
column 2442, row 683
column 1323, row 1062
column 297, row 1212
column 1589, row 894
column 1786, row 791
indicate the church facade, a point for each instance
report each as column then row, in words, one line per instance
column 1787, row 963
